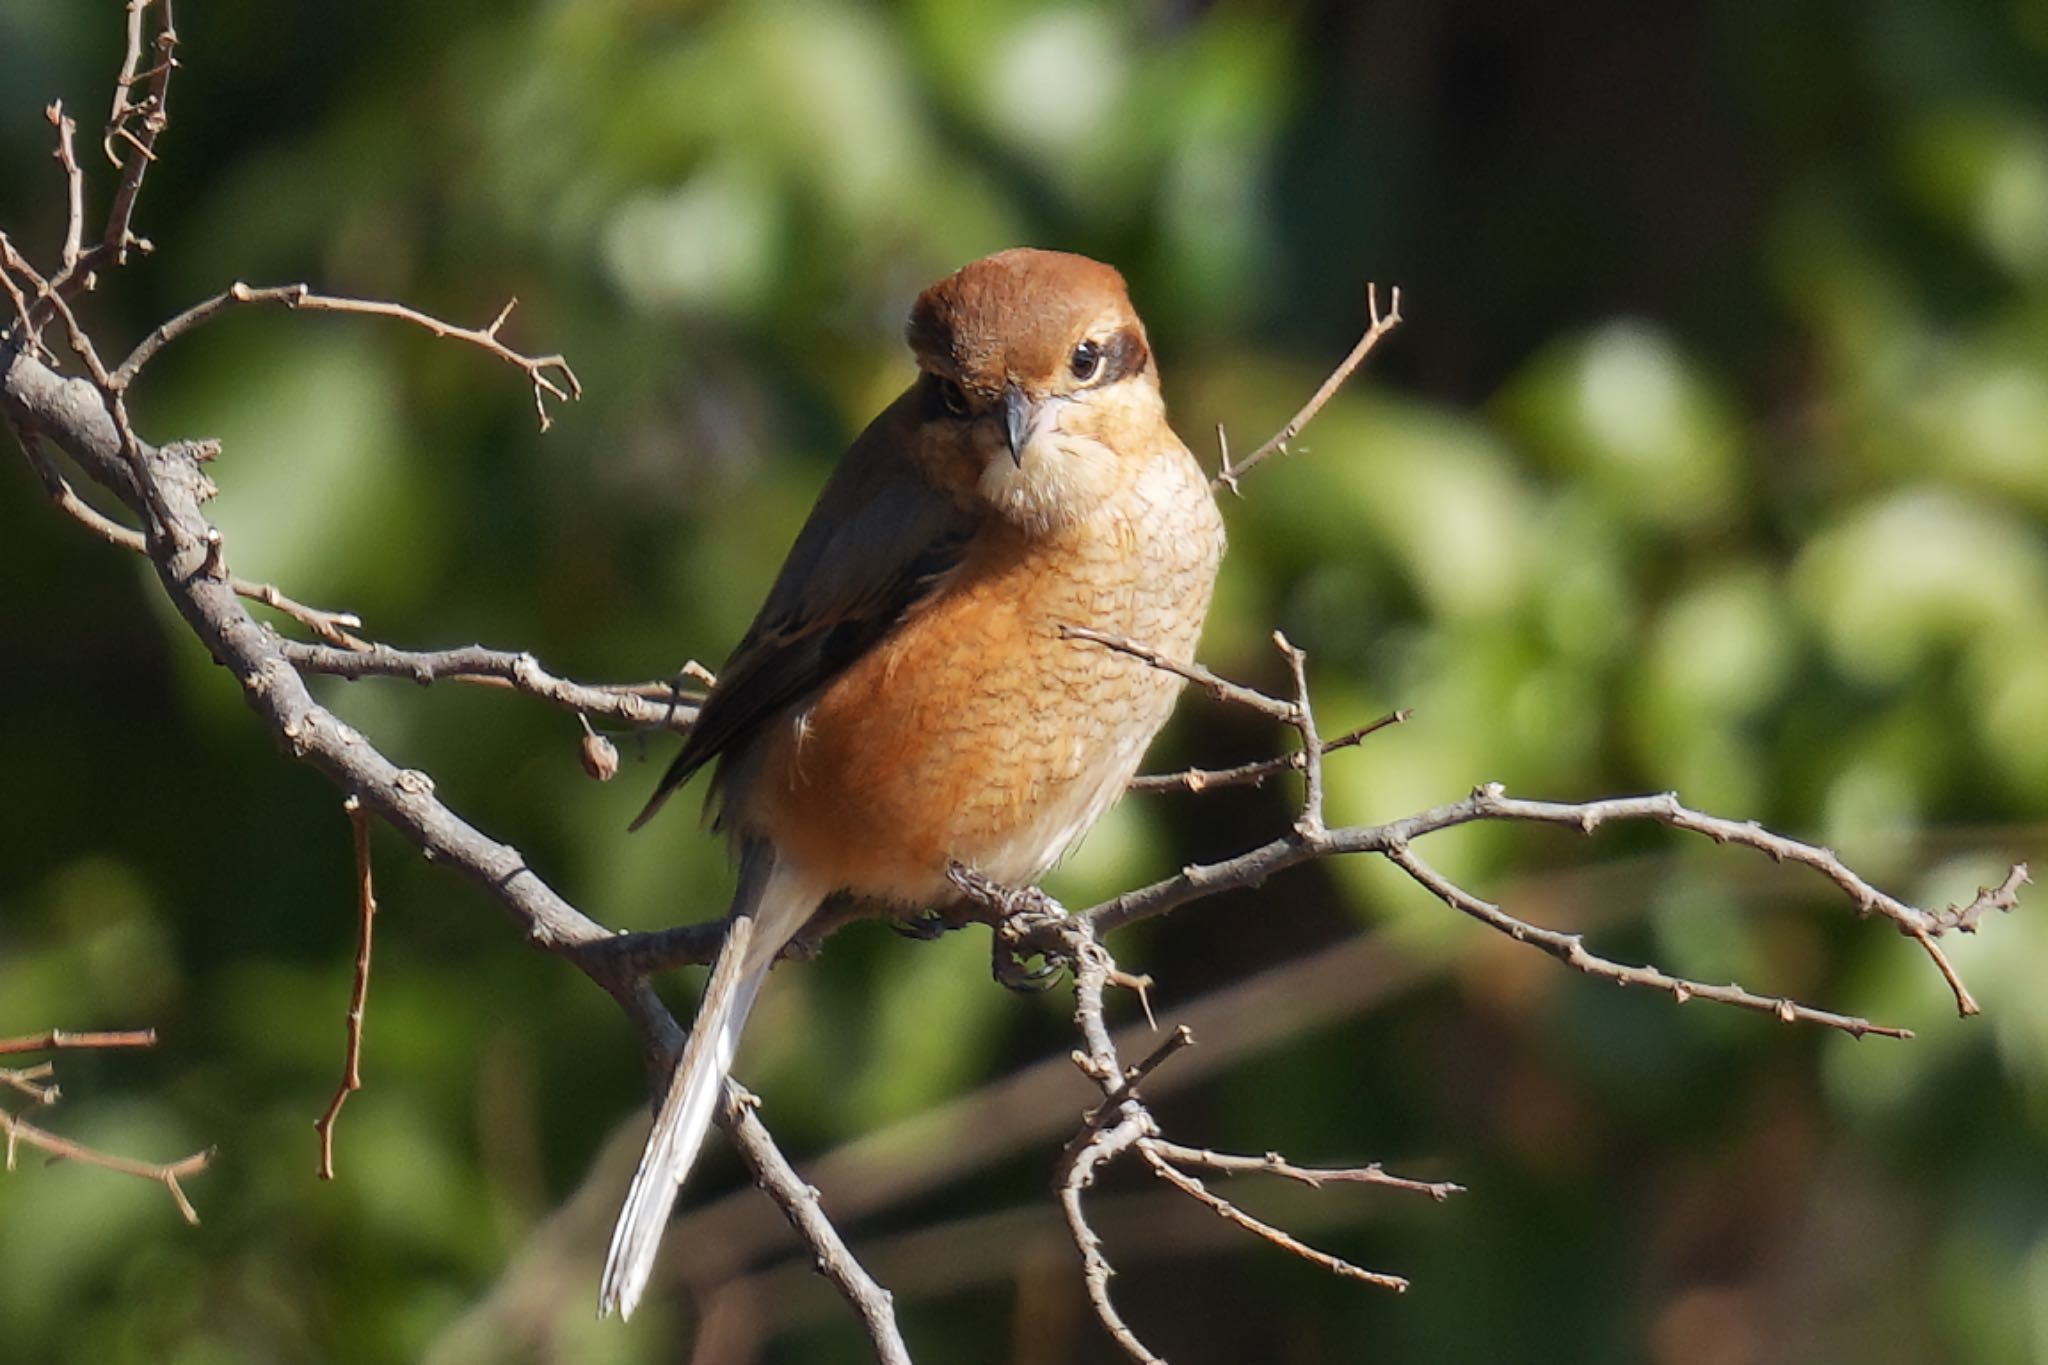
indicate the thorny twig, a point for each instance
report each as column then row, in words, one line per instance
column 647, row 705
column 1381, row 324
column 1309, row 841
column 1255, row 773
column 1122, row 1122
column 549, row 375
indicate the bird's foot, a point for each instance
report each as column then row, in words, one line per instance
column 1013, row 970
column 1029, row 926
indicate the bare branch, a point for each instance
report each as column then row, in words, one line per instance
column 800, row 1204
column 1382, row 323
column 1177, row 1038
column 1315, row 1177
column 1201, row 1193
column 1392, row 840
column 166, row 480
column 1255, row 773
column 333, row 626
column 24, row 325
column 38, row 401
column 1571, row 950
column 1310, row 821
column 137, row 124
column 57, row 1039
column 1122, row 1122
column 549, row 375
column 1923, row 926
column 2003, row 898
column 20, row 1132
column 650, row 705
column 1236, row 694
column 133, row 124
column 74, row 181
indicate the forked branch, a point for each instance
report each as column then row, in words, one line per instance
column 39, row 1085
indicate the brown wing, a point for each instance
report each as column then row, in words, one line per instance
column 879, row 541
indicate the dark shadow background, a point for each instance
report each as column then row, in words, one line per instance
column 1712, row 457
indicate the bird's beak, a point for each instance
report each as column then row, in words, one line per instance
column 1018, row 412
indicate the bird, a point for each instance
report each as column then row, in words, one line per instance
column 908, row 701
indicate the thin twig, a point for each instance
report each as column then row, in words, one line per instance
column 74, row 181
column 20, row 1131
column 1315, row 1177
column 1179, row 1037
column 57, row 1039
column 1310, row 822
column 2003, row 898
column 649, row 705
column 1382, row 323
column 549, row 375
column 1490, row 802
column 24, row 325
column 1110, row 1130
column 137, row 123
column 38, row 1082
column 1923, row 926
column 333, row 626
column 1224, row 690
column 359, row 995
column 1255, row 773
column 1571, row 950
column 1286, row 1241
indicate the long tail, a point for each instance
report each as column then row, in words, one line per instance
column 767, row 910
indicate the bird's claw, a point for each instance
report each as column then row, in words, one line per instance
column 1014, row 972
column 925, row 928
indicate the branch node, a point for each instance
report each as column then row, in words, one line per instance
column 215, row 565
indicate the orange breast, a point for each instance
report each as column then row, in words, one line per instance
column 976, row 732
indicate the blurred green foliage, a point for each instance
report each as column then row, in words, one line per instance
column 1714, row 456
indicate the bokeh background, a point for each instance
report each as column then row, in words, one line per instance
column 1712, row 457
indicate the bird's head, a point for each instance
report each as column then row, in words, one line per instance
column 1035, row 365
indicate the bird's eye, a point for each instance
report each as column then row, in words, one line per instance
column 954, row 399
column 1087, row 362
